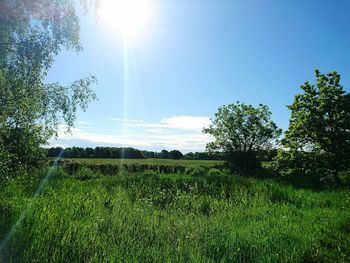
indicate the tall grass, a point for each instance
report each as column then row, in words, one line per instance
column 148, row 161
column 152, row 217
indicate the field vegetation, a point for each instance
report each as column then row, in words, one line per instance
column 85, row 216
column 267, row 195
column 148, row 161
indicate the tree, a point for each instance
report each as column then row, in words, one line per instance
column 54, row 151
column 240, row 131
column 89, row 152
column 189, row 156
column 319, row 126
column 164, row 154
column 175, row 154
column 149, row 154
column 32, row 33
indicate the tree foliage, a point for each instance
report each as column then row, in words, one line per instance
column 240, row 131
column 175, row 154
column 32, row 33
column 319, row 128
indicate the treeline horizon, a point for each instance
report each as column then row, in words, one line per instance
column 128, row 153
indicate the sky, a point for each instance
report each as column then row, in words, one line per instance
column 158, row 90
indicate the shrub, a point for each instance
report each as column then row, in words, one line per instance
column 196, row 171
column 268, row 169
column 85, row 173
column 344, row 178
column 306, row 169
column 213, row 172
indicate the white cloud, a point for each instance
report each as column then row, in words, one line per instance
column 183, row 142
column 178, row 132
column 185, row 123
column 124, row 120
column 55, row 144
column 85, row 123
column 191, row 123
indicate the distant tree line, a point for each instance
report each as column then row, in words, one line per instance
column 128, row 153
column 98, row 152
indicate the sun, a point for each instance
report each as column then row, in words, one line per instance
column 129, row 18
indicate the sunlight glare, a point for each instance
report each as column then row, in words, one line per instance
column 128, row 18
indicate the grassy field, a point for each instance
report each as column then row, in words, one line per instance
column 149, row 161
column 153, row 217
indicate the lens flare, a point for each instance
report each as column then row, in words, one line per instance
column 5, row 241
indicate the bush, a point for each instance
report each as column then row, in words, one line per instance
column 196, row 171
column 213, row 172
column 306, row 169
column 344, row 178
column 85, row 173
column 268, row 169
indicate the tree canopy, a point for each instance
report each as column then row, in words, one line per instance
column 32, row 33
column 320, row 124
column 241, row 131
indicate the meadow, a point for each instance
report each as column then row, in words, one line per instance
column 203, row 214
column 147, row 161
column 187, row 76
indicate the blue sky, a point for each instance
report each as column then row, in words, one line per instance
column 195, row 56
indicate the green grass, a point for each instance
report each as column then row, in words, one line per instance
column 150, row 161
column 149, row 217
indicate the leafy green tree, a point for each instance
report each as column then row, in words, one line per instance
column 240, row 131
column 89, row 152
column 54, row 151
column 189, row 156
column 149, row 154
column 32, row 33
column 319, row 127
column 164, row 154
column 175, row 154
